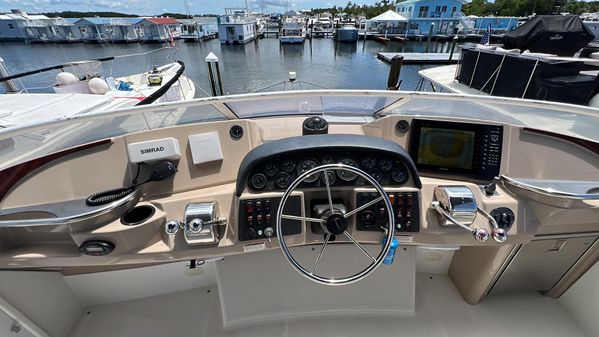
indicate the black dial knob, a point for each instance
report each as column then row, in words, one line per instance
column 251, row 234
column 368, row 219
column 315, row 126
column 258, row 181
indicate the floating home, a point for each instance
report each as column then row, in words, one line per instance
column 156, row 30
column 445, row 15
column 98, row 30
column 498, row 24
column 20, row 26
column 236, row 26
column 65, row 31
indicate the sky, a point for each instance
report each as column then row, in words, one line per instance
column 153, row 7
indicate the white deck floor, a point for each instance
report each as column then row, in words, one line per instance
column 440, row 311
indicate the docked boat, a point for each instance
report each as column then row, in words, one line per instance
column 305, row 213
column 237, row 26
column 161, row 84
column 546, row 59
column 293, row 31
column 347, row 33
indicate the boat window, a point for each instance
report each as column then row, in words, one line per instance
column 36, row 141
column 561, row 120
column 311, row 105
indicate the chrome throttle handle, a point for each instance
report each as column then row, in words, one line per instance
column 480, row 234
column 498, row 234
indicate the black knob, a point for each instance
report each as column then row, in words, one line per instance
column 251, row 234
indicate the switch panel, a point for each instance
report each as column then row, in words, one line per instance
column 405, row 211
column 257, row 218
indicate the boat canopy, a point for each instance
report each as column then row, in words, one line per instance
column 28, row 141
column 562, row 35
column 389, row 16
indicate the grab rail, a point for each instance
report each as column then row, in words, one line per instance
column 558, row 193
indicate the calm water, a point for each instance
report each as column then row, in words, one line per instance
column 245, row 68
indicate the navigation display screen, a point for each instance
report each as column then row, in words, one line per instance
column 447, row 148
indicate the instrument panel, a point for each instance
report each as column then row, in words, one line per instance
column 463, row 149
column 279, row 172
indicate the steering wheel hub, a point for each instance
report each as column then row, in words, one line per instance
column 336, row 224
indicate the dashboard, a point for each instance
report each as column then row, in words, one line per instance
column 279, row 172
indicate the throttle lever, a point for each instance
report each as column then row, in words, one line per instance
column 480, row 234
column 499, row 234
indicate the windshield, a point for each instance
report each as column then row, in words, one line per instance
column 26, row 142
column 312, row 105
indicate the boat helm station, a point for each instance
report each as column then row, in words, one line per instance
column 297, row 205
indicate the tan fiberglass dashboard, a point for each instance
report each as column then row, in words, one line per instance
column 408, row 157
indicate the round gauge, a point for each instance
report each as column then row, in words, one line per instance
column 288, row 166
column 376, row 174
column 305, row 166
column 282, row 180
column 348, row 175
column 399, row 175
column 332, row 177
column 258, row 181
column 368, row 162
column 327, row 160
column 385, row 164
column 271, row 169
column 402, row 126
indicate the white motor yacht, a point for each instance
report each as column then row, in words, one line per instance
column 304, row 213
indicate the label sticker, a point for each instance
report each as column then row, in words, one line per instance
column 254, row 247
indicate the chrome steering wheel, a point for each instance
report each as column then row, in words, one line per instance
column 335, row 222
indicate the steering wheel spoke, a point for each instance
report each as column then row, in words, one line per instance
column 324, row 246
column 363, row 207
column 359, row 245
column 334, row 222
column 301, row 218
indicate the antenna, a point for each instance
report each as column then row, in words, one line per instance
column 187, row 9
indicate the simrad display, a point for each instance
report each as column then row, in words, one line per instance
column 446, row 148
column 472, row 150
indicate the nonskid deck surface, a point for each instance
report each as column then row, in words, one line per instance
column 440, row 311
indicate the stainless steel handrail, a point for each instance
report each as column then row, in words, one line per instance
column 558, row 193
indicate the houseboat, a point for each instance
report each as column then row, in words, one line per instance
column 237, row 26
column 100, row 29
column 157, row 30
column 65, row 31
column 293, row 31
column 444, row 15
column 21, row 26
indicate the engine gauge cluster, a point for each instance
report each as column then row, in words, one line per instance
column 277, row 174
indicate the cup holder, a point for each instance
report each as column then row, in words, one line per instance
column 137, row 215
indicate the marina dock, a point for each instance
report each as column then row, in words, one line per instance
column 420, row 58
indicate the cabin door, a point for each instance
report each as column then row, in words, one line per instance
column 230, row 33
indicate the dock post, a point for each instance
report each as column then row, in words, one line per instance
column 430, row 34
column 393, row 80
column 210, row 59
column 453, row 43
column 10, row 85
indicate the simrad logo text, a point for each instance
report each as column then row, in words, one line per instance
column 152, row 149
